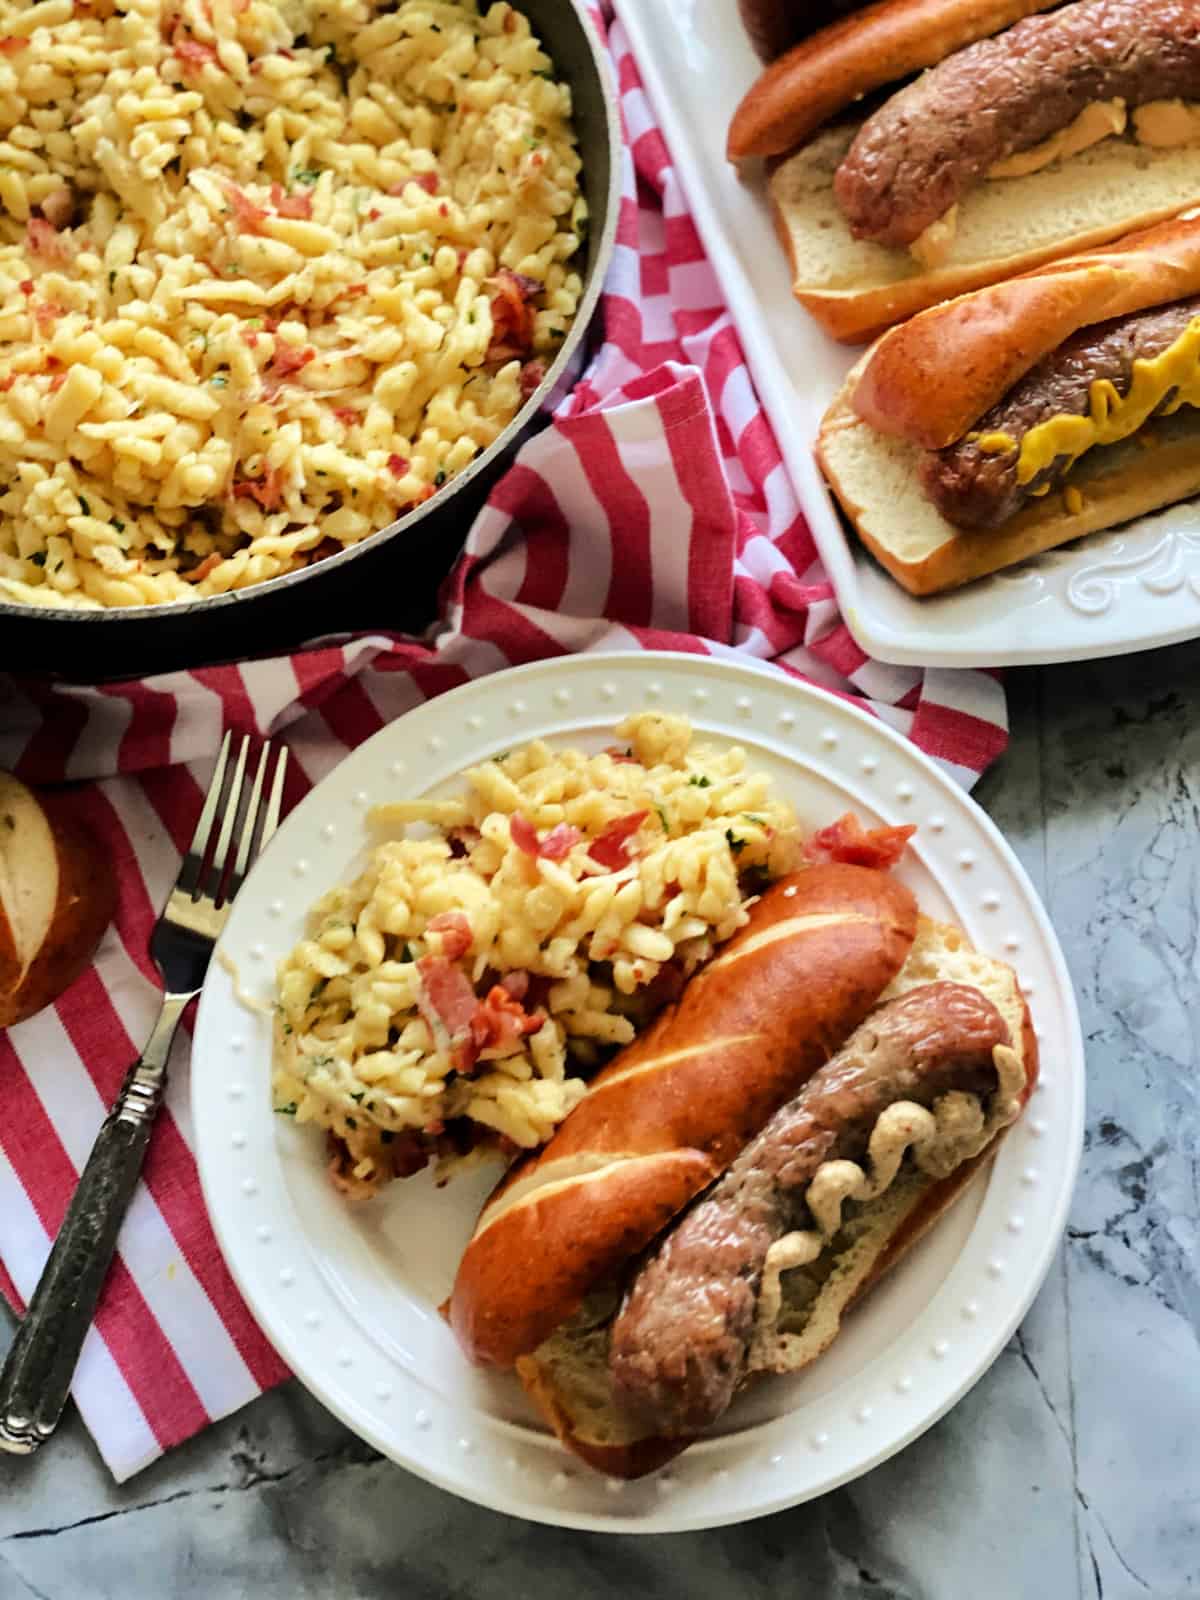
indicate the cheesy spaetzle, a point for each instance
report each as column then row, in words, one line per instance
column 271, row 272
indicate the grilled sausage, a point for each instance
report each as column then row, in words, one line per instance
column 976, row 488
column 679, row 1344
column 920, row 152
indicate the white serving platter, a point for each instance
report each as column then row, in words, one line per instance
column 349, row 1296
column 1130, row 589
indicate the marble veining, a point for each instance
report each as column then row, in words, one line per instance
column 1070, row 1472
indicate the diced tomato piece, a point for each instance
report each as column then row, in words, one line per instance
column 398, row 465
column 46, row 313
column 26, row 286
column 611, row 848
column 11, row 45
column 848, row 841
column 347, row 415
column 455, row 930
column 57, row 381
column 290, row 358
column 353, row 290
column 7, row 383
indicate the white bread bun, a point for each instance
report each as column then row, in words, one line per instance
column 875, row 481
column 567, row 1376
column 855, row 288
column 57, row 896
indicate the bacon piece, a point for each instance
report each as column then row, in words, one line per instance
column 45, row 241
column 194, row 54
column 848, row 841
column 553, row 846
column 289, row 358
column 26, row 286
column 11, row 45
column 7, row 383
column 291, row 205
column 611, row 848
column 455, row 930
column 267, row 489
column 347, row 415
column 615, row 753
column 200, row 572
column 515, row 984
column 248, row 216
column 512, row 316
column 498, row 1022
column 424, row 180
column 46, row 313
column 398, row 465
column 559, row 842
column 523, row 833
column 532, row 374
column 447, row 999
column 57, row 381
column 408, row 1153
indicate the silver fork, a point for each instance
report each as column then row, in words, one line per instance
column 232, row 829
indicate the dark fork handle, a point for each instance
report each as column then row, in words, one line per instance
column 36, row 1377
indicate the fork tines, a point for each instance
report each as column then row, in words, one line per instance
column 212, row 869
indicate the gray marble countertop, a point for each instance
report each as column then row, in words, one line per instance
column 1071, row 1470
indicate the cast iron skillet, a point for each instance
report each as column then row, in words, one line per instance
column 390, row 580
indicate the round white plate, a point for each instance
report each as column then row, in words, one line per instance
column 1129, row 589
column 349, row 1296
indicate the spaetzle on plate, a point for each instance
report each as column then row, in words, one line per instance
column 271, row 272
column 451, row 1001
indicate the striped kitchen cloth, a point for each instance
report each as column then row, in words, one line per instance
column 655, row 512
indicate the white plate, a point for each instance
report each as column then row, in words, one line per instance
column 349, row 1297
column 1120, row 591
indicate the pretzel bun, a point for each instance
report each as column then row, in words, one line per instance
column 567, row 1378
column 57, row 896
column 931, row 379
column 670, row 1112
column 924, row 385
column 824, row 74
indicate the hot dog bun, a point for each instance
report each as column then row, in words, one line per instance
column 925, row 384
column 567, row 1377
column 57, row 896
column 856, row 288
column 669, row 1114
column 836, row 67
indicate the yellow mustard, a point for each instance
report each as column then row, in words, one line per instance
column 994, row 444
column 1111, row 418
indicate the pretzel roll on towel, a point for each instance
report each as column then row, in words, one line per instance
column 670, row 1113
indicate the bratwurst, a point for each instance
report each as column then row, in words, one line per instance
column 680, row 1341
column 920, row 152
column 976, row 483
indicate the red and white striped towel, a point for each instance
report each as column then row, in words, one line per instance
column 655, row 512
